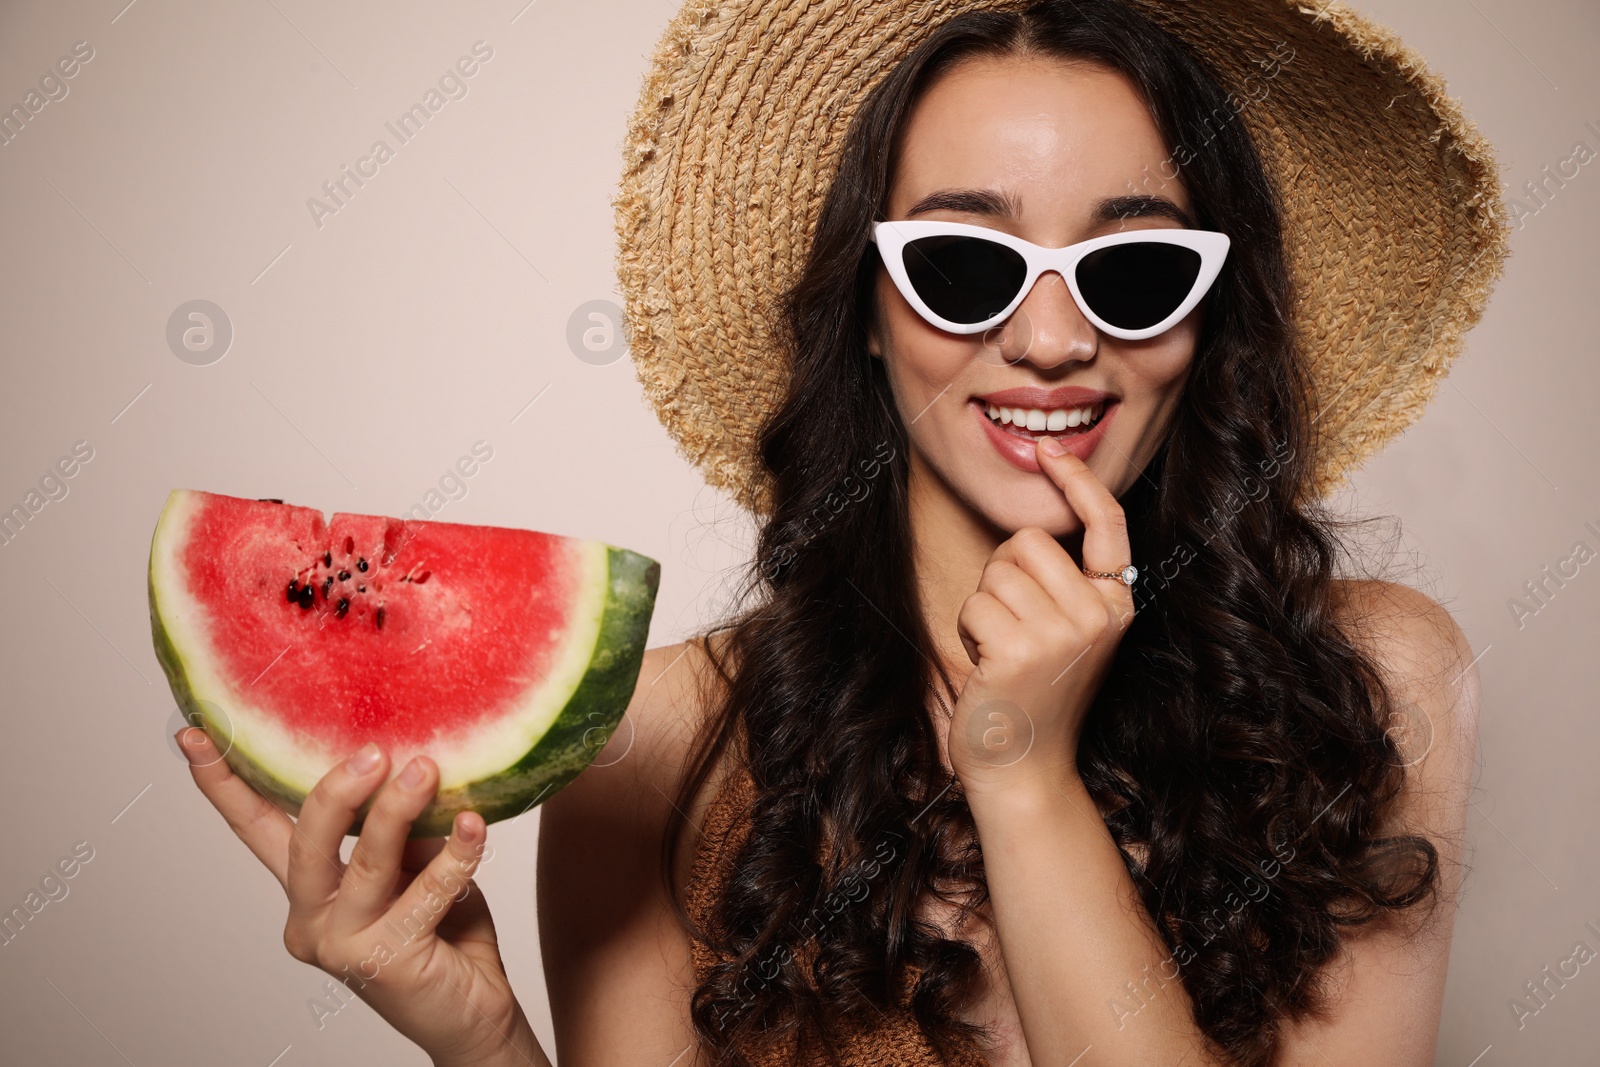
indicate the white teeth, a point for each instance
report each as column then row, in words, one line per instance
column 1037, row 420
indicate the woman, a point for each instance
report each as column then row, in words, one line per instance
column 951, row 787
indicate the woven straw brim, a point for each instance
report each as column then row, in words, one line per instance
column 1395, row 224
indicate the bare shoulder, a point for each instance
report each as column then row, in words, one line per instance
column 1432, row 674
column 634, row 779
column 1419, row 647
column 612, row 946
column 1405, row 620
column 667, row 709
column 1387, row 982
column 677, row 687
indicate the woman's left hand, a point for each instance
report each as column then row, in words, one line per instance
column 1041, row 635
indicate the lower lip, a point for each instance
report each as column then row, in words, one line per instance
column 1020, row 451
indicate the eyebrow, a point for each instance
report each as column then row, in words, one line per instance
column 1006, row 206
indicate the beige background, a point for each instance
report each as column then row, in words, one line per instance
column 372, row 351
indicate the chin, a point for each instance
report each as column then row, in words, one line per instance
column 1044, row 507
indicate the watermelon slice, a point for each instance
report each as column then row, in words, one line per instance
column 507, row 656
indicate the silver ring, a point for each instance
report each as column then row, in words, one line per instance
column 1127, row 575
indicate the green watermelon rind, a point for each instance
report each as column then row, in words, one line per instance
column 587, row 720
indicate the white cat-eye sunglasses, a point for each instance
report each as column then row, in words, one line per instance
column 966, row 279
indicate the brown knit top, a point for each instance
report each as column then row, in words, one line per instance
column 896, row 1042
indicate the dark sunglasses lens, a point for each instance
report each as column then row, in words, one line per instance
column 965, row 279
column 1136, row 285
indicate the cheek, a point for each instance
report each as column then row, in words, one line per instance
column 1167, row 363
column 1163, row 377
column 1159, row 367
column 1158, row 376
column 921, row 360
column 1162, row 389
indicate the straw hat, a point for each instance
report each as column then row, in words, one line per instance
column 1393, row 217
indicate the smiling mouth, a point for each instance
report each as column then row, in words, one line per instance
column 1033, row 423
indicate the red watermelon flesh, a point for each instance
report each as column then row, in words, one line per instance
column 505, row 655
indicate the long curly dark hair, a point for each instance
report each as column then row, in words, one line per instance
column 1238, row 749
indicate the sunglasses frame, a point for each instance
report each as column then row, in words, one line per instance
column 892, row 237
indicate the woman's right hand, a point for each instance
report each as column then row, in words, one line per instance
column 403, row 926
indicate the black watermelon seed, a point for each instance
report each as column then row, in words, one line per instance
column 349, row 545
column 327, row 585
column 344, row 606
column 344, row 576
column 327, row 559
column 294, row 590
column 361, row 565
column 361, row 589
column 268, row 500
column 377, row 617
column 419, row 579
column 306, row 595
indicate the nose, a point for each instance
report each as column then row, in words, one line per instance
column 1048, row 329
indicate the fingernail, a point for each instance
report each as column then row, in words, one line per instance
column 190, row 743
column 365, row 760
column 465, row 830
column 1052, row 446
column 413, row 774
